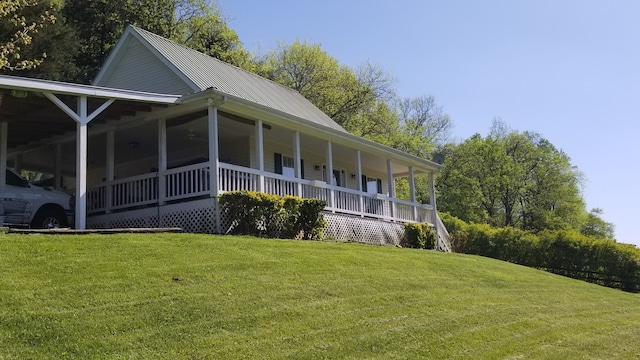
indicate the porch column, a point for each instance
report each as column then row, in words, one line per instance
column 4, row 128
column 110, row 175
column 82, row 119
column 412, row 192
column 392, row 188
column 214, row 161
column 359, row 180
column 162, row 161
column 260, row 154
column 17, row 163
column 432, row 201
column 296, row 162
column 329, row 175
column 57, row 168
column 81, row 165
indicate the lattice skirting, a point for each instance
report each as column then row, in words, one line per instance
column 192, row 216
column 199, row 217
column 363, row 230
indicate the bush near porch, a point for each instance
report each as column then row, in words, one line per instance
column 268, row 215
column 419, row 236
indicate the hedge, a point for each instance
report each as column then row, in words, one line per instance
column 567, row 253
column 267, row 215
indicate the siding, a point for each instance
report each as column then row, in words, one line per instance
column 140, row 70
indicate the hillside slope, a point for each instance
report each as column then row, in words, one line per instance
column 201, row 296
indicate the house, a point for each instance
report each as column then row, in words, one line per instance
column 138, row 146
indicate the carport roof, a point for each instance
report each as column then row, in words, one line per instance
column 32, row 117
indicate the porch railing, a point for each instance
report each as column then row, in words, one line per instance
column 194, row 181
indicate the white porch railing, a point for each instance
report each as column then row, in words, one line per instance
column 193, row 181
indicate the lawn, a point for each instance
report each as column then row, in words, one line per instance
column 173, row 296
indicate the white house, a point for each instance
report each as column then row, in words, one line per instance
column 138, row 146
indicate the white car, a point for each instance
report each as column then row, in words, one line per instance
column 28, row 205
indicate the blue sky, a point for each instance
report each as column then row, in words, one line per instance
column 569, row 70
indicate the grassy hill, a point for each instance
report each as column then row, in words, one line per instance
column 174, row 296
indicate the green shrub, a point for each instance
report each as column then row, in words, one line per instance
column 419, row 236
column 274, row 216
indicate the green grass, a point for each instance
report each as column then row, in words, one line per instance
column 175, row 296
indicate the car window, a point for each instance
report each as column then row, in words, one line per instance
column 14, row 179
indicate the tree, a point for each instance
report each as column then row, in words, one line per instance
column 596, row 227
column 423, row 123
column 19, row 21
column 194, row 23
column 511, row 179
column 337, row 90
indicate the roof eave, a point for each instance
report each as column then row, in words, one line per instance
column 213, row 93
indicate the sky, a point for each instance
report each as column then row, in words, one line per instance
column 568, row 70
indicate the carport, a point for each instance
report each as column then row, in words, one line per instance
column 53, row 118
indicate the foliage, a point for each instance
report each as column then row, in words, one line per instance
column 19, row 21
column 97, row 25
column 565, row 252
column 596, row 227
column 273, row 216
column 419, row 236
column 187, row 296
column 511, row 179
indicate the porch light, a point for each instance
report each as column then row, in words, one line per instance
column 316, row 167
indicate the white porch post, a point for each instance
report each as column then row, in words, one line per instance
column 81, row 165
column 392, row 188
column 296, row 161
column 4, row 128
column 412, row 192
column 111, row 173
column 434, row 213
column 162, row 161
column 359, row 181
column 82, row 119
column 57, row 168
column 214, row 161
column 329, row 175
column 260, row 154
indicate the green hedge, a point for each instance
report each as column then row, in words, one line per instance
column 419, row 236
column 568, row 253
column 267, row 215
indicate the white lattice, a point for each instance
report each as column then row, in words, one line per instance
column 192, row 216
column 199, row 216
column 363, row 230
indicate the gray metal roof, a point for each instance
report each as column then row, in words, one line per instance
column 207, row 72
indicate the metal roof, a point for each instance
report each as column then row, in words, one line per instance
column 206, row 72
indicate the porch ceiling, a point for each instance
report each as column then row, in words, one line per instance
column 34, row 118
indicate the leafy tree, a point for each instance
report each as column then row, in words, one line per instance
column 511, row 179
column 337, row 90
column 194, row 23
column 596, row 227
column 19, row 21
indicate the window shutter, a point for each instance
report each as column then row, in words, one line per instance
column 364, row 183
column 379, row 183
column 277, row 163
column 301, row 169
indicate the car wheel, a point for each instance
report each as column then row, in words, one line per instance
column 49, row 220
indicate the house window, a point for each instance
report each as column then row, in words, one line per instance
column 288, row 168
column 371, row 185
column 285, row 165
column 337, row 179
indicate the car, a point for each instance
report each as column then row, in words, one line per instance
column 29, row 205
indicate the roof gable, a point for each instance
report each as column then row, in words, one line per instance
column 162, row 65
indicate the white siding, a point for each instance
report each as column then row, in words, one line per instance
column 140, row 70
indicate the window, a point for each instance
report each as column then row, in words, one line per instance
column 285, row 165
column 288, row 168
column 371, row 185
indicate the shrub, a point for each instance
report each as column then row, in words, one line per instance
column 419, row 236
column 274, row 216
